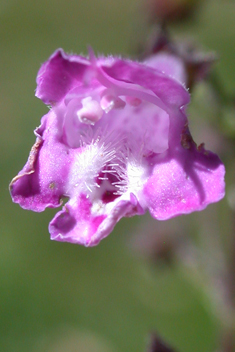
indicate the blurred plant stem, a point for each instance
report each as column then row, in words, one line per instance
column 229, row 335
column 226, row 102
column 156, row 344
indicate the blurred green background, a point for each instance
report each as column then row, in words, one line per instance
column 63, row 297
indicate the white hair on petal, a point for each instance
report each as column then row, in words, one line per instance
column 98, row 156
column 132, row 174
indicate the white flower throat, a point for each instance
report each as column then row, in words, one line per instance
column 105, row 169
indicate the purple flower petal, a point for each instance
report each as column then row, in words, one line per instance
column 166, row 88
column 42, row 181
column 184, row 183
column 82, row 222
column 58, row 75
column 168, row 64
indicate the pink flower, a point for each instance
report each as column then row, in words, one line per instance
column 116, row 143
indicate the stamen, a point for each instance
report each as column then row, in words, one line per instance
column 110, row 101
column 91, row 111
column 133, row 101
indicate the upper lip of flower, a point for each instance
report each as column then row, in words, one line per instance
column 63, row 72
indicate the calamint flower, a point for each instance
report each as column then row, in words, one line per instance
column 115, row 143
